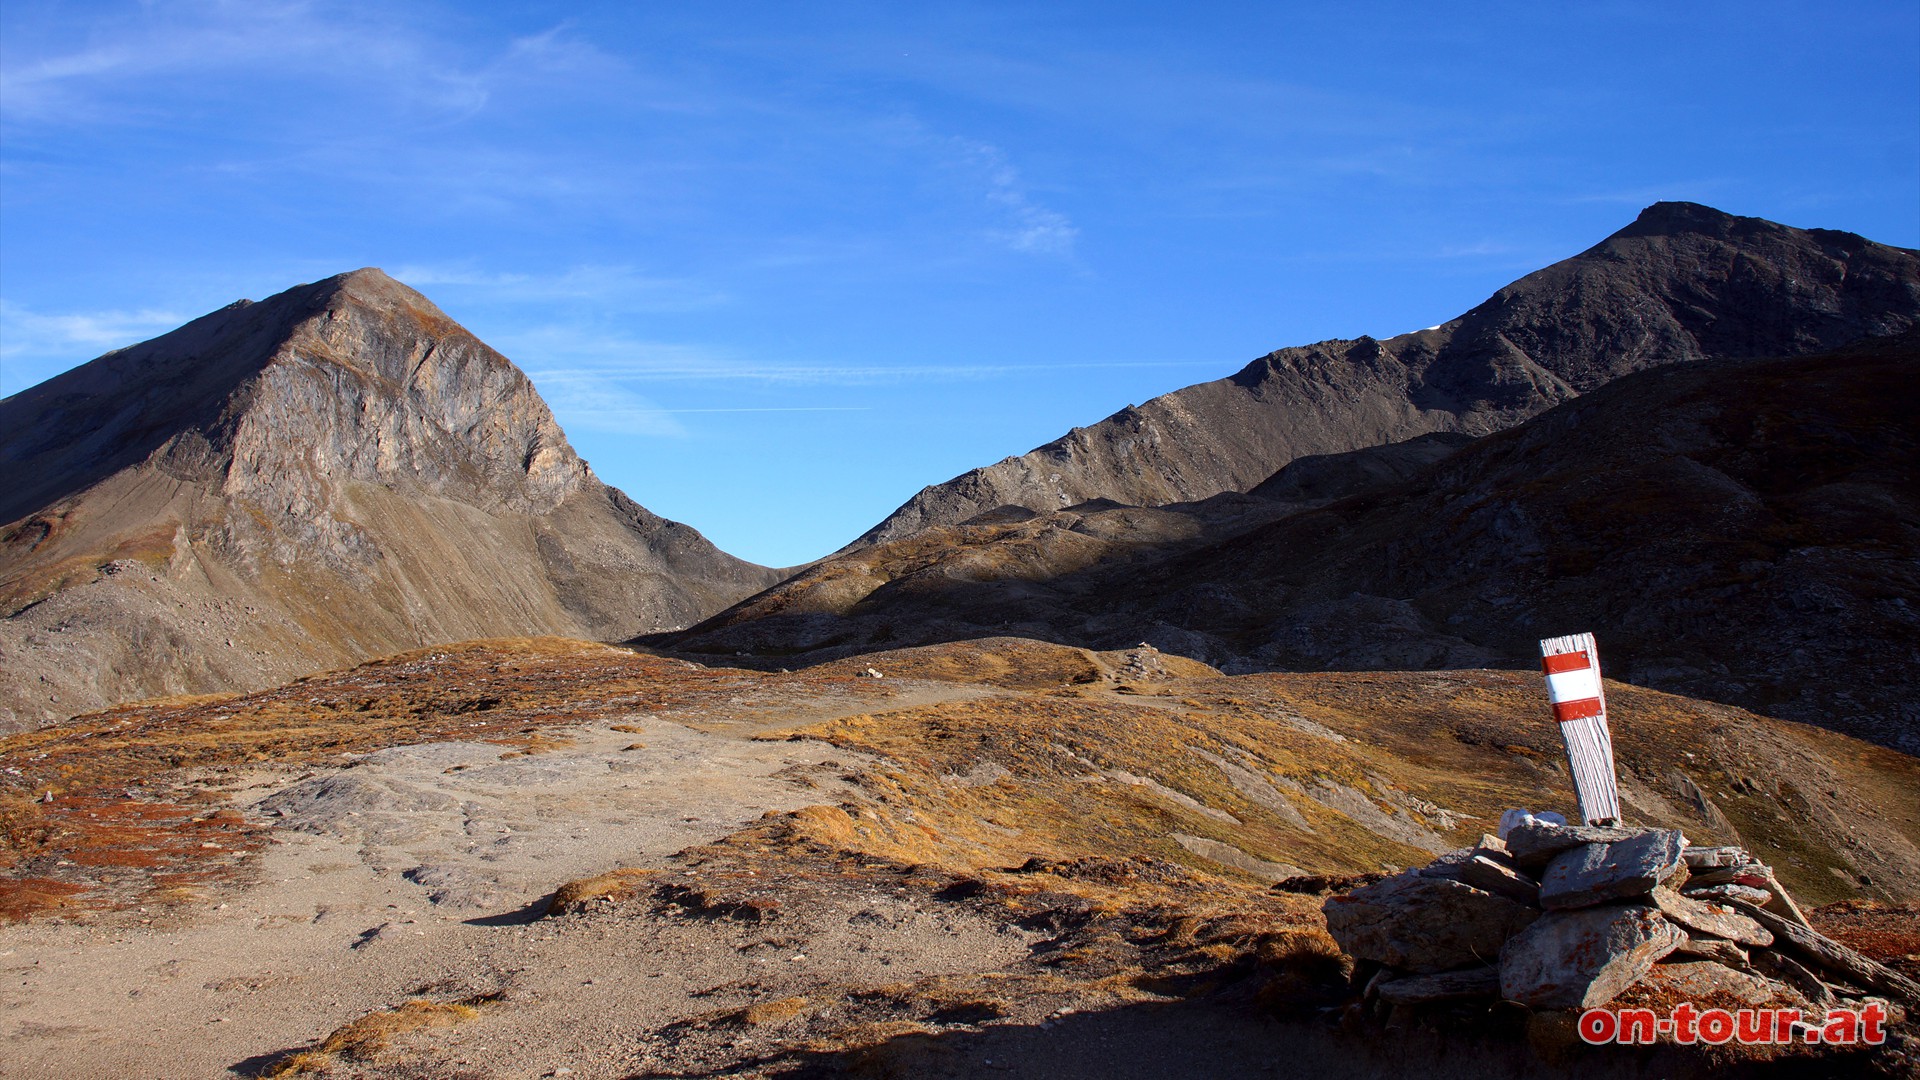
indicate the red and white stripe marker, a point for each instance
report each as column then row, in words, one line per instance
column 1572, row 664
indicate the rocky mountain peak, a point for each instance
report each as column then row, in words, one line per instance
column 403, row 394
column 344, row 462
column 1681, row 283
column 1677, row 217
column 356, row 378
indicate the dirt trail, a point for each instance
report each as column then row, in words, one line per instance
column 415, row 870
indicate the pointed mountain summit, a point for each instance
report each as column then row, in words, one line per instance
column 1683, row 282
column 337, row 471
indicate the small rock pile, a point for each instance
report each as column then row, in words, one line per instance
column 1570, row 917
column 1143, row 665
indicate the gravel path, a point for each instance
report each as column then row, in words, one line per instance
column 417, row 870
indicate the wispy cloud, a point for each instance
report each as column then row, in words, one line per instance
column 1478, row 249
column 584, row 400
column 625, row 286
column 1027, row 226
column 98, row 81
column 1648, row 194
column 74, row 335
column 37, row 345
column 587, row 361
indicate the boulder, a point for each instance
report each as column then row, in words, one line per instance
column 1834, row 958
column 1598, row 872
column 1705, row 858
column 1500, row 879
column 1718, row 950
column 1446, row 865
column 1446, row 986
column 1582, row 959
column 1708, row 984
column 1424, row 924
column 1513, row 819
column 1720, row 894
column 1751, row 875
column 1534, row 845
column 1698, row 917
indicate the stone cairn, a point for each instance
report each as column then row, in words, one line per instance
column 1570, row 917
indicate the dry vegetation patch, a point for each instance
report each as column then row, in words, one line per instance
column 1889, row 933
column 1055, row 815
column 134, row 788
column 996, row 781
column 1126, row 841
column 366, row 1038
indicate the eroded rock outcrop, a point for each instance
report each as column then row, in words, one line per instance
column 338, row 471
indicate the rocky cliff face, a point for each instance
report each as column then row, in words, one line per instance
column 1683, row 282
column 337, row 471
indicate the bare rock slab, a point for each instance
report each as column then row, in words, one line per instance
column 1718, row 950
column 1583, row 959
column 1707, row 858
column 1706, row 983
column 1424, row 924
column 1751, row 875
column 1703, row 918
column 1790, row 972
column 1720, row 894
column 1500, row 879
column 1836, row 959
column 1596, row 873
column 1445, row 986
column 1534, row 845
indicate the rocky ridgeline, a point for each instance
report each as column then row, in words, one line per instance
column 1572, row 917
column 1682, row 283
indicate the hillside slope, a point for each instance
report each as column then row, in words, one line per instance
column 1742, row 531
column 336, row 472
column 1003, row 858
column 1683, row 282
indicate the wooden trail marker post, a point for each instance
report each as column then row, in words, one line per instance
column 1572, row 664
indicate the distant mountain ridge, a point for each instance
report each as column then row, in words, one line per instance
column 1683, row 282
column 1743, row 531
column 338, row 471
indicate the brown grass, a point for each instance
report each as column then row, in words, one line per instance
column 778, row 1011
column 611, row 887
column 510, row 692
column 100, row 852
column 976, row 786
column 1057, row 801
column 364, row 1039
column 152, row 548
column 530, row 742
column 1009, row 663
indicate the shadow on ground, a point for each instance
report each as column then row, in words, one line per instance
column 1186, row 1040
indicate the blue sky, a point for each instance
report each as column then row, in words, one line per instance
column 778, row 266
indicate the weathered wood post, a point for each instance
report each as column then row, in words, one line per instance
column 1572, row 664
